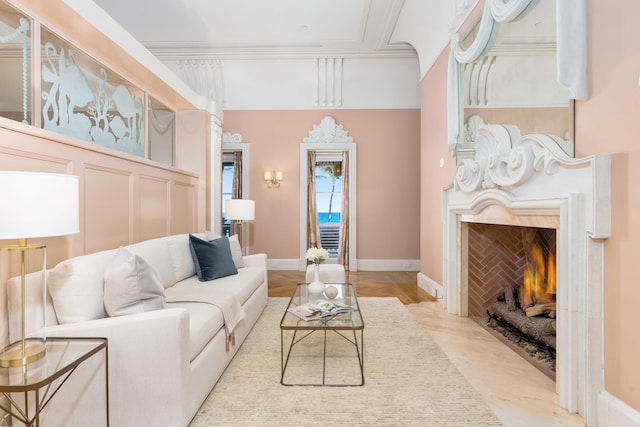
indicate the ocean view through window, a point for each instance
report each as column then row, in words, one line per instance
column 227, row 189
column 329, row 203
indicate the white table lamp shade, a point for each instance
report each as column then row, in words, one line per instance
column 38, row 205
column 239, row 209
column 32, row 204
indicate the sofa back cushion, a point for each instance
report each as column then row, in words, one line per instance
column 76, row 284
column 180, row 253
column 156, row 252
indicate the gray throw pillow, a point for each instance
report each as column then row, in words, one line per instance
column 212, row 259
column 131, row 285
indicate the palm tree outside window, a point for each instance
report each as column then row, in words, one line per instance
column 328, row 174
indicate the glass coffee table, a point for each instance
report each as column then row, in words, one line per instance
column 326, row 351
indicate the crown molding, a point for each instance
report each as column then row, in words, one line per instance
column 208, row 51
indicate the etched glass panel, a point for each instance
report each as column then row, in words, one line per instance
column 15, row 65
column 83, row 99
column 161, row 132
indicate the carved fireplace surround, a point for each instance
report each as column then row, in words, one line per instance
column 516, row 180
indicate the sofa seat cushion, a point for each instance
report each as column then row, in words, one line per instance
column 242, row 284
column 205, row 321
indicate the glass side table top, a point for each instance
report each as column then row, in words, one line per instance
column 349, row 321
column 62, row 355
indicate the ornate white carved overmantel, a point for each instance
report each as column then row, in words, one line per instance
column 571, row 51
column 460, row 9
column 529, row 176
column 505, row 159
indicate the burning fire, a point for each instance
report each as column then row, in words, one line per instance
column 539, row 281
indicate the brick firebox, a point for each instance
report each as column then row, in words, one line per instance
column 498, row 255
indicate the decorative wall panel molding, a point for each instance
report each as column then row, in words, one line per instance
column 231, row 138
column 329, row 80
column 328, row 131
column 477, row 77
column 205, row 77
column 460, row 9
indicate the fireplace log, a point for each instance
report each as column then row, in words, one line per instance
column 510, row 298
column 539, row 309
column 539, row 328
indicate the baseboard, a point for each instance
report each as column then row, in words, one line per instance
column 432, row 287
column 613, row 412
column 388, row 265
column 363, row 264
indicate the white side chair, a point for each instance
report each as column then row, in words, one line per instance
column 329, row 273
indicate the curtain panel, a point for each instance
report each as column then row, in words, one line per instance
column 343, row 248
column 313, row 228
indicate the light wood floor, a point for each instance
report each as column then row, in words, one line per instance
column 400, row 284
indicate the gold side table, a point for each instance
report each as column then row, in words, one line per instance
column 37, row 381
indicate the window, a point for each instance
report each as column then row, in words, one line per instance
column 77, row 95
column 328, row 172
column 15, row 63
column 161, row 132
column 85, row 100
column 228, row 170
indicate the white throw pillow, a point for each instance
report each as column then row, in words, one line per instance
column 236, row 251
column 76, row 286
column 131, row 285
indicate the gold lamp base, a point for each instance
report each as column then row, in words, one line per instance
column 13, row 355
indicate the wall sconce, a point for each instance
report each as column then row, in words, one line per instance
column 273, row 178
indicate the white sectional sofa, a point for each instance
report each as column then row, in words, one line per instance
column 162, row 363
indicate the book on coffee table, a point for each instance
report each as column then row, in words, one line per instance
column 319, row 309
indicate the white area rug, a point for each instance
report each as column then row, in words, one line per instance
column 409, row 381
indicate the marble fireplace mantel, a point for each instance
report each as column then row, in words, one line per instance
column 531, row 177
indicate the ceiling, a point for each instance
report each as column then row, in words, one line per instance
column 294, row 54
column 259, row 28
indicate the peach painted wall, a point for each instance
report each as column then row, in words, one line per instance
column 606, row 123
column 388, row 178
column 433, row 145
column 609, row 123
